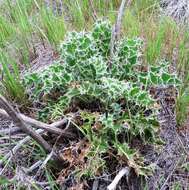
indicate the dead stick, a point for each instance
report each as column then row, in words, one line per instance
column 116, row 30
column 20, row 123
column 170, row 174
column 94, row 14
column 10, row 131
column 122, row 172
column 34, row 166
column 20, row 144
column 49, row 127
column 52, row 128
column 9, row 155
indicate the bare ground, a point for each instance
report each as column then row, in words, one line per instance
column 169, row 163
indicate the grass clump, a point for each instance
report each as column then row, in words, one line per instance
column 116, row 98
column 51, row 27
column 10, row 84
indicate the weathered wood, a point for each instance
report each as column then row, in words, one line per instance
column 9, row 155
column 94, row 14
column 116, row 30
column 20, row 123
column 122, row 172
column 52, row 128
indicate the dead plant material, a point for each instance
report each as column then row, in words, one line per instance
column 122, row 172
column 79, row 186
column 75, row 157
column 11, row 153
column 94, row 14
column 116, row 30
column 52, row 128
column 20, row 123
column 76, row 153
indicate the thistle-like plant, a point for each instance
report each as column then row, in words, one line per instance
column 121, row 92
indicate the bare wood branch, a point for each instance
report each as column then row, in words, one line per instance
column 9, row 155
column 170, row 174
column 49, row 127
column 33, row 167
column 95, row 184
column 120, row 16
column 116, row 30
column 10, row 131
column 52, row 128
column 94, row 14
column 122, row 172
column 20, row 123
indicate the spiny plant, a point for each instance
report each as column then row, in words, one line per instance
column 120, row 94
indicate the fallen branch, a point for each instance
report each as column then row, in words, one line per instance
column 10, row 131
column 122, row 172
column 170, row 174
column 52, row 128
column 33, row 167
column 20, row 123
column 95, row 184
column 10, row 154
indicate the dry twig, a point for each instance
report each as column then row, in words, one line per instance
column 170, row 174
column 52, row 128
column 122, row 172
column 95, row 184
column 20, row 123
column 33, row 167
column 10, row 131
column 94, row 14
column 9, row 155
column 116, row 30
